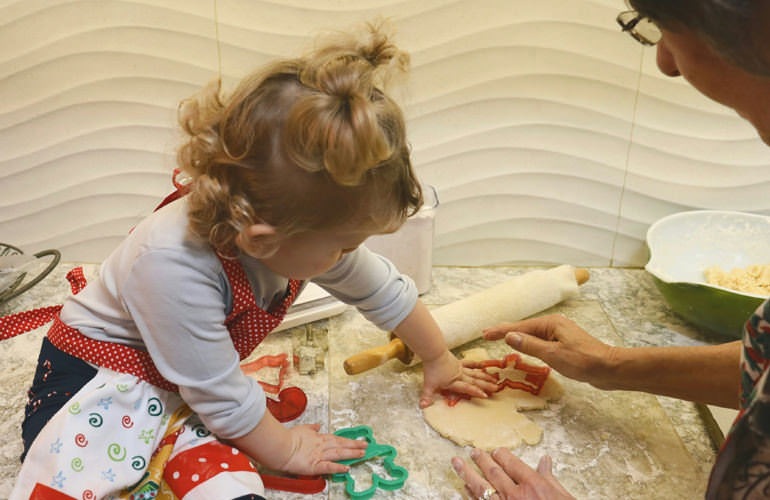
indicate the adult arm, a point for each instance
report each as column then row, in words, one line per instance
column 707, row 374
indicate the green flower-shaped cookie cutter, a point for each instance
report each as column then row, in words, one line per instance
column 388, row 453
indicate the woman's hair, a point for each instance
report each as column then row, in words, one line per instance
column 736, row 29
column 310, row 143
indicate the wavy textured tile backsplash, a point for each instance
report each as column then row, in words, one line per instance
column 550, row 136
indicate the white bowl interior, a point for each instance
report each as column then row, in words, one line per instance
column 683, row 245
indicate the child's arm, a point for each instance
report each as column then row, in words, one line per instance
column 442, row 369
column 300, row 449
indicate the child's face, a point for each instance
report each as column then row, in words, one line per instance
column 309, row 254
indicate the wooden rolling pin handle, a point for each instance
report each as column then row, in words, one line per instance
column 396, row 349
column 374, row 357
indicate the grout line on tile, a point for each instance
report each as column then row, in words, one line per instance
column 628, row 157
column 218, row 41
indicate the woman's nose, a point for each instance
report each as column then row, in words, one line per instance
column 666, row 61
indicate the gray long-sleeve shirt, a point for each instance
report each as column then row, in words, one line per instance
column 164, row 291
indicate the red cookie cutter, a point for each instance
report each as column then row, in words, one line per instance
column 291, row 403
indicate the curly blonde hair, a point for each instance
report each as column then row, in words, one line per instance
column 304, row 144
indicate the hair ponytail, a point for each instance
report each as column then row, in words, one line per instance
column 308, row 143
column 346, row 126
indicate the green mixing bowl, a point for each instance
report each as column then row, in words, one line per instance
column 683, row 245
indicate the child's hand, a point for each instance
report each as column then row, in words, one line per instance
column 313, row 453
column 300, row 449
column 447, row 373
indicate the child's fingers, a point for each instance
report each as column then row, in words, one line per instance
column 460, row 387
column 475, row 383
column 334, row 449
column 353, row 444
column 330, row 468
column 474, row 369
column 471, row 364
column 469, row 389
column 486, row 381
column 342, row 453
column 426, row 399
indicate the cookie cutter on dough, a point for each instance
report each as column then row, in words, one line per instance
column 534, row 378
column 388, row 454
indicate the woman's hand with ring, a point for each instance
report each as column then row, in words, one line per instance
column 487, row 495
column 503, row 476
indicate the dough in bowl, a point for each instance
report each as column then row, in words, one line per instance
column 750, row 279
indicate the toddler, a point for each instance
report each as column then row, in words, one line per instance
column 138, row 388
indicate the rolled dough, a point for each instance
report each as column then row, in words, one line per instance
column 515, row 299
column 496, row 421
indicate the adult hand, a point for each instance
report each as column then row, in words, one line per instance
column 447, row 373
column 504, row 476
column 561, row 344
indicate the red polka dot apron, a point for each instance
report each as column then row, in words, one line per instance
column 128, row 434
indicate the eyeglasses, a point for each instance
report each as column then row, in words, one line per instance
column 641, row 28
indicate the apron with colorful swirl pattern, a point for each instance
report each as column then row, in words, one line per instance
column 127, row 434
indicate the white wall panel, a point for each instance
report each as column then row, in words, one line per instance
column 526, row 141
column 88, row 97
column 687, row 152
column 550, row 136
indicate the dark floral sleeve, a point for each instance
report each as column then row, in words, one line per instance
column 742, row 469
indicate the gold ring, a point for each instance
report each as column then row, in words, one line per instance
column 487, row 495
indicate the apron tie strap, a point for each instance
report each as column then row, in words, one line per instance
column 26, row 321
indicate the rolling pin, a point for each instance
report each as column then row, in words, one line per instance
column 464, row 320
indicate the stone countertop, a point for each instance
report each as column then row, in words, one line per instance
column 604, row 444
